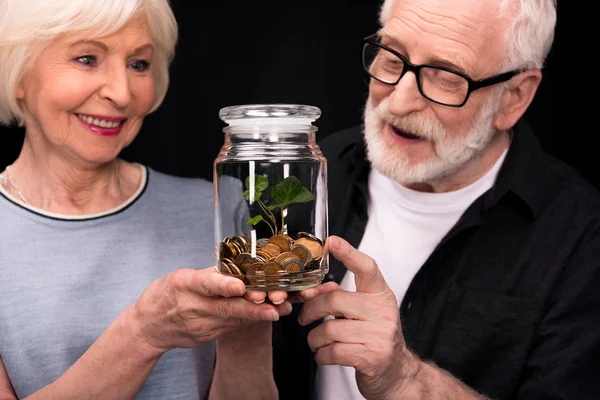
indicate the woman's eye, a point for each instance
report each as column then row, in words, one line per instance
column 87, row 60
column 140, row 65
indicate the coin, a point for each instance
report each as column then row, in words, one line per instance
column 288, row 255
column 224, row 268
column 234, row 270
column 242, row 241
column 313, row 246
column 261, row 258
column 270, row 268
column 292, row 265
column 271, row 249
column 310, row 236
column 281, row 241
column 244, row 258
column 235, row 248
column 256, row 278
column 271, row 272
column 225, row 251
column 264, row 255
column 302, row 252
column 261, row 242
column 253, row 268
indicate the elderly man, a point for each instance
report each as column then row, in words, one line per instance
column 477, row 269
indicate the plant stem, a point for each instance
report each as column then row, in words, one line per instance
column 269, row 214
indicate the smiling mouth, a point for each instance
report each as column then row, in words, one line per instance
column 99, row 122
column 404, row 134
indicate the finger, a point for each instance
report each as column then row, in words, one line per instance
column 346, row 354
column 343, row 331
column 367, row 276
column 257, row 297
column 311, row 293
column 208, row 282
column 277, row 296
column 294, row 297
column 239, row 308
column 284, row 308
column 339, row 303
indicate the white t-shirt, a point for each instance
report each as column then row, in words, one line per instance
column 403, row 229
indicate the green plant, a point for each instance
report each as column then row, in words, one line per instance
column 288, row 191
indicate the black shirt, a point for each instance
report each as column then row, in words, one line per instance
column 509, row 300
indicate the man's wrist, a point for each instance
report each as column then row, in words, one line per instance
column 410, row 376
column 431, row 382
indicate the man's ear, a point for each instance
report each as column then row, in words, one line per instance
column 517, row 98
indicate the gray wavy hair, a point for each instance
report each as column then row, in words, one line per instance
column 529, row 36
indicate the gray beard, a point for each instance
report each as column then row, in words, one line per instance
column 451, row 153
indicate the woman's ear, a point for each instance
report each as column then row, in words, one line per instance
column 516, row 98
column 20, row 90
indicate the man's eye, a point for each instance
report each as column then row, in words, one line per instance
column 87, row 60
column 140, row 65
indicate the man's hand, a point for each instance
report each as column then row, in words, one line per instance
column 366, row 333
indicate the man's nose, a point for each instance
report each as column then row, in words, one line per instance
column 406, row 97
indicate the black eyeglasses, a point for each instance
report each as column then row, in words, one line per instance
column 438, row 84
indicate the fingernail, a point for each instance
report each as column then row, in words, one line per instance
column 274, row 316
column 311, row 294
column 279, row 301
column 300, row 321
column 289, row 307
column 237, row 289
column 259, row 301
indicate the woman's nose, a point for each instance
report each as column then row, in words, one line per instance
column 116, row 87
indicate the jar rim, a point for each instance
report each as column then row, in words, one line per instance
column 256, row 114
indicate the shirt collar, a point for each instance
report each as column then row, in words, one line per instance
column 523, row 173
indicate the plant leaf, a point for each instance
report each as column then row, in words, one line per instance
column 254, row 220
column 290, row 191
column 256, row 195
column 260, row 183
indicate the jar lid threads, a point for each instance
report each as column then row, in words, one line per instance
column 268, row 114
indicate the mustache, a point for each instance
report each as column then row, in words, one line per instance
column 416, row 124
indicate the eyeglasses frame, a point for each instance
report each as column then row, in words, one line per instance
column 409, row 67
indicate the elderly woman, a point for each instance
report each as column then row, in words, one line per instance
column 100, row 291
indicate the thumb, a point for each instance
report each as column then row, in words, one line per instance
column 367, row 275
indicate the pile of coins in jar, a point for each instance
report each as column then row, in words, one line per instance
column 274, row 257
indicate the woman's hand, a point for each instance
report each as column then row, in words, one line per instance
column 189, row 307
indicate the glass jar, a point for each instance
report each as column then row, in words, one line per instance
column 270, row 180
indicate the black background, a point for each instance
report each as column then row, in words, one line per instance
column 308, row 52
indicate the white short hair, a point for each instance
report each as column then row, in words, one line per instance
column 28, row 26
column 530, row 33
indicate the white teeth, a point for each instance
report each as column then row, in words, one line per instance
column 99, row 122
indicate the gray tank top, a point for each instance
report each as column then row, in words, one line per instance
column 63, row 281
